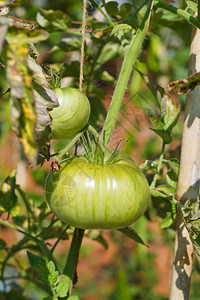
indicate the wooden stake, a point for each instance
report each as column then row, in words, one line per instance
column 189, row 177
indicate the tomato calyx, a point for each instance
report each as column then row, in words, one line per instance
column 96, row 153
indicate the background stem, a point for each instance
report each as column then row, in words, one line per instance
column 153, row 183
column 126, row 69
column 189, row 178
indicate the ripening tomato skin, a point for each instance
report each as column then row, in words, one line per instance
column 72, row 114
column 97, row 196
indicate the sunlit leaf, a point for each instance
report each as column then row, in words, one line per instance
column 192, row 5
column 64, row 285
column 53, row 274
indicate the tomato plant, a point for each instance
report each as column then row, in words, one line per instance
column 71, row 115
column 86, row 195
column 90, row 187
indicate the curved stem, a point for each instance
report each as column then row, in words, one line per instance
column 69, row 146
column 72, row 259
column 177, row 11
column 153, row 183
column 126, row 69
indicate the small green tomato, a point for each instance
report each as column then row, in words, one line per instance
column 71, row 115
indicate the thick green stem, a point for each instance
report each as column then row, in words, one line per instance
column 126, row 69
column 153, row 184
column 177, row 11
column 72, row 260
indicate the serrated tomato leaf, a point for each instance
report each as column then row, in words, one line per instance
column 39, row 264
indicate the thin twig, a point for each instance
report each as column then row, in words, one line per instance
column 150, row 16
column 82, row 44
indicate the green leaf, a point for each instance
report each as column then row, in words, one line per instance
column 132, row 234
column 170, row 217
column 164, row 124
column 174, row 164
column 73, row 298
column 64, row 286
column 68, row 44
column 39, row 264
column 192, row 5
column 124, row 33
column 149, row 165
column 172, row 179
column 111, row 8
column 8, row 197
column 2, row 244
column 109, row 51
column 53, row 276
column 163, row 192
column 53, row 19
column 125, row 10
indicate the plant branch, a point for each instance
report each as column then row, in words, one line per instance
column 72, row 259
column 177, row 11
column 126, row 69
column 69, row 146
column 59, row 238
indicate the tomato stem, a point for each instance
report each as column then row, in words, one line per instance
column 72, row 259
column 153, row 183
column 126, row 69
column 69, row 146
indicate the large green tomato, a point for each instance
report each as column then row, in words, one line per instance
column 98, row 196
column 72, row 114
